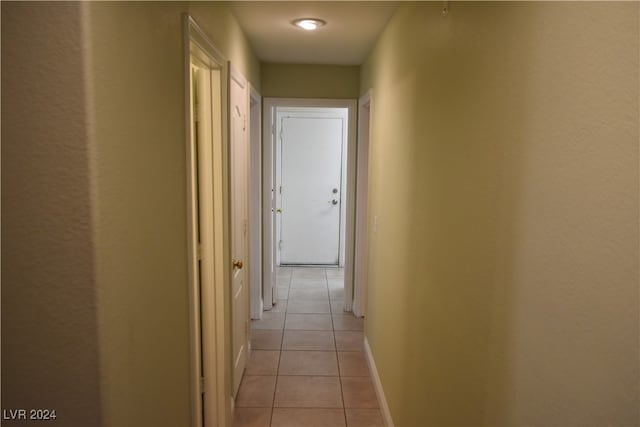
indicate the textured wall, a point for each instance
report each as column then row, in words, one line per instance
column 49, row 330
column 504, row 270
column 137, row 84
column 310, row 81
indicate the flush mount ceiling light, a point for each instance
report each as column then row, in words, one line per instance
column 309, row 24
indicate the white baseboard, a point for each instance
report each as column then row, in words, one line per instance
column 384, row 408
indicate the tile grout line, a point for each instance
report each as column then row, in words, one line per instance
column 275, row 387
column 334, row 350
column 335, row 344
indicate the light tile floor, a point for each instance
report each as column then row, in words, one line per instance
column 307, row 366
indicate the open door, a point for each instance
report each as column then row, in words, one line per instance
column 239, row 224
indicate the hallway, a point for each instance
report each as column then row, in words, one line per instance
column 307, row 363
column 499, row 223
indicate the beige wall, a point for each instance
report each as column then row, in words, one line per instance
column 310, row 81
column 49, row 325
column 504, row 270
column 136, row 69
column 94, row 292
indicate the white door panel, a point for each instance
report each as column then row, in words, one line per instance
column 311, row 190
column 239, row 292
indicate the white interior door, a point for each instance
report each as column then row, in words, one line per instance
column 239, row 282
column 311, row 177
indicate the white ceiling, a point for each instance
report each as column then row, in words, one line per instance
column 351, row 30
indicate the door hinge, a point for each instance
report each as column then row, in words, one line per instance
column 199, row 251
column 273, row 128
column 244, row 227
column 201, row 385
column 244, row 122
column 196, row 116
column 281, row 189
column 280, row 245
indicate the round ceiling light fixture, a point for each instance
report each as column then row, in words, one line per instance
column 309, row 24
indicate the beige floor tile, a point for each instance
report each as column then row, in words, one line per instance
column 358, row 392
column 301, row 281
column 309, row 322
column 364, row 418
column 283, row 280
column 284, row 271
column 269, row 320
column 309, row 272
column 347, row 322
column 316, row 284
column 334, row 272
column 252, row 417
column 279, row 307
column 263, row 362
column 336, row 293
column 307, row 417
column 353, row 364
column 282, row 292
column 349, row 340
column 308, row 363
column 302, row 306
column 308, row 340
column 335, row 283
column 309, row 294
column 256, row 391
column 337, row 306
column 266, row 339
column 308, row 392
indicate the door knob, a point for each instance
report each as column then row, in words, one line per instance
column 279, row 210
column 335, row 190
column 334, row 202
column 237, row 264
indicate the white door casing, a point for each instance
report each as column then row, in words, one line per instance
column 269, row 194
column 239, row 223
column 255, row 203
column 205, row 96
column 269, row 288
column 311, row 189
column 362, row 206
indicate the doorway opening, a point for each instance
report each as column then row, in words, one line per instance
column 309, row 183
column 205, row 130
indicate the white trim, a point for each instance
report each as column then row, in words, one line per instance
column 206, row 297
column 268, row 208
column 351, row 206
column 362, row 206
column 237, row 76
column 377, row 385
column 270, row 105
column 255, row 201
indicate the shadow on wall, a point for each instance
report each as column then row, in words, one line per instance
column 462, row 192
column 487, row 169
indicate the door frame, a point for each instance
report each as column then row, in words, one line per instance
column 255, row 202
column 207, row 322
column 269, row 146
column 321, row 113
column 362, row 206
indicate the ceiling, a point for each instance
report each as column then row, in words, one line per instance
column 351, row 30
